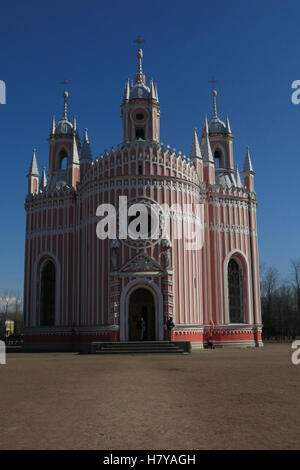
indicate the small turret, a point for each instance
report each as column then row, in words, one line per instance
column 248, row 172
column 33, row 175
column 208, row 159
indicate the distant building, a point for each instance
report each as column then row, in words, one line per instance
column 79, row 288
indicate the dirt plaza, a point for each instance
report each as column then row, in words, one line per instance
column 219, row 399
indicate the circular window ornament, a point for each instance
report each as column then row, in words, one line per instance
column 140, row 116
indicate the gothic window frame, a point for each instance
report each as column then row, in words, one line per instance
column 239, row 296
column 221, row 157
column 43, row 323
column 61, row 155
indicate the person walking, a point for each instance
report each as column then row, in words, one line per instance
column 211, row 342
column 170, row 326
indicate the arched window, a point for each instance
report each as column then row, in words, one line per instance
column 62, row 160
column 139, row 133
column 48, row 279
column 218, row 159
column 235, row 292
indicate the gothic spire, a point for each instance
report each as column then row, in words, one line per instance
column 205, row 144
column 156, row 93
column 152, row 90
column 33, row 170
column 53, row 126
column 205, row 126
column 228, row 128
column 86, row 149
column 195, row 149
column 238, row 178
column 248, row 164
column 75, row 155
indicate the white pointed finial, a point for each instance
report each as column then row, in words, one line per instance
column 33, row 170
column 152, row 90
column 195, row 149
column 206, row 149
column 53, row 125
column 44, row 179
column 75, row 155
column 248, row 168
column 228, row 128
column 205, row 126
column 156, row 93
column 238, row 178
column 127, row 90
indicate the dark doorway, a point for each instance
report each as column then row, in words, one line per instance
column 48, row 294
column 141, row 304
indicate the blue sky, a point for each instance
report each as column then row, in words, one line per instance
column 252, row 48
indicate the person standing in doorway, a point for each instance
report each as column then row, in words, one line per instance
column 170, row 326
column 142, row 325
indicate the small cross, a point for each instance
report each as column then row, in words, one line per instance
column 66, row 82
column 213, row 81
column 139, row 41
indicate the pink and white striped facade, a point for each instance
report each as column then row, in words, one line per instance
column 95, row 278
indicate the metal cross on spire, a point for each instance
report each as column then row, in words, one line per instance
column 66, row 82
column 139, row 41
column 213, row 81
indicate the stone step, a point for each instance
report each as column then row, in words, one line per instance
column 124, row 346
column 136, row 347
column 140, row 351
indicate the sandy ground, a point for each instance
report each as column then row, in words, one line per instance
column 221, row 399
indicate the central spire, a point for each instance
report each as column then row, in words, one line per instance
column 66, row 82
column 139, row 78
column 65, row 111
column 139, row 75
column 214, row 95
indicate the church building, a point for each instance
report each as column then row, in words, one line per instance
column 82, row 286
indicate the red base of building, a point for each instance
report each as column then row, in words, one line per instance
column 73, row 341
